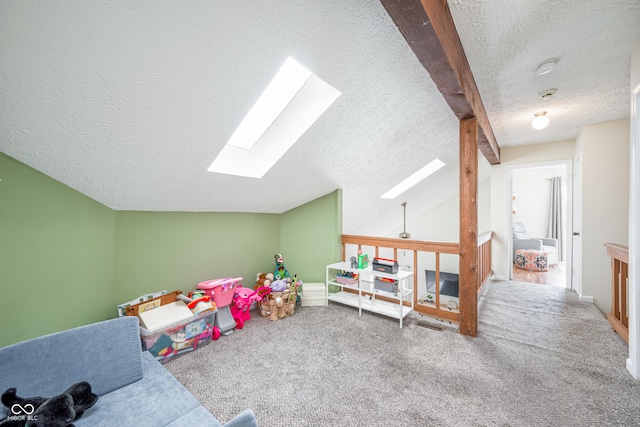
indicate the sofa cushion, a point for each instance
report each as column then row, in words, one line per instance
column 195, row 417
column 158, row 399
column 108, row 355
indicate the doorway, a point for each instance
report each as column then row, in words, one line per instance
column 531, row 209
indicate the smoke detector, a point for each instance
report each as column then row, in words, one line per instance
column 546, row 67
column 547, row 94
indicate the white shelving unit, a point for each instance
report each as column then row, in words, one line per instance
column 358, row 298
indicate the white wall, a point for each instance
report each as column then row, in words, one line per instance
column 605, row 204
column 441, row 224
column 499, row 222
column 532, row 198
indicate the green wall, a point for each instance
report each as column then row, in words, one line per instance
column 310, row 237
column 176, row 250
column 56, row 255
column 67, row 260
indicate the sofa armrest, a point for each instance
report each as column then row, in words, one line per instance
column 108, row 355
column 550, row 242
column 245, row 418
column 535, row 244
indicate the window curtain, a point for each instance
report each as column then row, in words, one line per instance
column 556, row 229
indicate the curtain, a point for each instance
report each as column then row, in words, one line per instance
column 556, row 229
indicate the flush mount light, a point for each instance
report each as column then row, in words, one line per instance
column 546, row 67
column 290, row 104
column 540, row 121
column 413, row 179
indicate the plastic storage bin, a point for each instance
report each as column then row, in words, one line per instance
column 179, row 338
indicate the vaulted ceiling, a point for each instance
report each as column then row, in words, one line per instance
column 129, row 103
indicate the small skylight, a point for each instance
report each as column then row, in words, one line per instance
column 413, row 179
column 290, row 104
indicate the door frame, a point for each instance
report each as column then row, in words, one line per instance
column 508, row 203
column 633, row 361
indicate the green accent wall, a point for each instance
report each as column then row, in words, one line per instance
column 310, row 237
column 67, row 260
column 56, row 255
column 176, row 250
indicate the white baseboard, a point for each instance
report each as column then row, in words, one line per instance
column 585, row 298
column 494, row 277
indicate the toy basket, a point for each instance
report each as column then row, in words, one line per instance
column 277, row 305
column 343, row 280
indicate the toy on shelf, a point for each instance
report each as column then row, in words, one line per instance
column 241, row 307
column 222, row 291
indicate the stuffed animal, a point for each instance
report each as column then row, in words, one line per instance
column 263, row 279
column 39, row 411
column 279, row 286
column 280, row 271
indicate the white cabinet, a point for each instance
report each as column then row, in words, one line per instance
column 363, row 293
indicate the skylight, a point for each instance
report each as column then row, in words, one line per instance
column 413, row 179
column 290, row 104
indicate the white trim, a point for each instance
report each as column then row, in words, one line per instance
column 508, row 170
column 585, row 298
column 633, row 362
column 501, row 278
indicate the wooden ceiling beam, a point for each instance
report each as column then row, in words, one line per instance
column 428, row 28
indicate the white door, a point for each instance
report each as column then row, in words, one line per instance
column 576, row 241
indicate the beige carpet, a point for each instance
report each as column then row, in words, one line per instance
column 542, row 358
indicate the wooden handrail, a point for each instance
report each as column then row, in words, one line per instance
column 438, row 248
column 618, row 316
column 395, row 243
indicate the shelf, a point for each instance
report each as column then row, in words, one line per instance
column 346, row 266
column 342, row 285
column 392, row 305
column 385, row 308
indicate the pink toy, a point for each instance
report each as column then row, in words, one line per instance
column 241, row 308
column 220, row 289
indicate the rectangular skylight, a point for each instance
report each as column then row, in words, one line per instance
column 413, row 179
column 289, row 105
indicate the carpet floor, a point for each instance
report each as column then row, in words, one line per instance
column 541, row 358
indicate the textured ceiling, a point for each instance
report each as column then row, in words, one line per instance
column 130, row 102
column 592, row 39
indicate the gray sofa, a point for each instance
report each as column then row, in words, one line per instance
column 133, row 388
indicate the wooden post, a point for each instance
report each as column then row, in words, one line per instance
column 468, row 226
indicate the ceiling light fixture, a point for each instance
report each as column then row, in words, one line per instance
column 546, row 67
column 540, row 121
column 427, row 170
column 290, row 104
column 404, row 234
